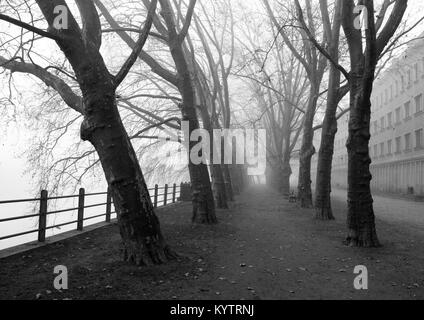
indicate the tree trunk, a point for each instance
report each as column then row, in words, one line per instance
column 143, row 243
column 323, row 209
column 235, row 179
column 285, row 178
column 218, row 187
column 361, row 219
column 217, row 175
column 306, row 153
column 228, row 182
column 203, row 202
column 286, row 170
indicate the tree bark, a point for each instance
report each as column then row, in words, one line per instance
column 323, row 209
column 143, row 243
column 286, row 170
column 217, row 175
column 228, row 182
column 361, row 219
column 203, row 201
column 307, row 151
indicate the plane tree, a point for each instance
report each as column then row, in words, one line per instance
column 102, row 126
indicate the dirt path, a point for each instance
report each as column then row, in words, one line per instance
column 264, row 248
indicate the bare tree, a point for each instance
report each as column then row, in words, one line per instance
column 174, row 38
column 315, row 64
column 363, row 61
column 102, row 126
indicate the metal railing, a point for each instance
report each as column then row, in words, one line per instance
column 168, row 191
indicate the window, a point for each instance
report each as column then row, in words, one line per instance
column 407, row 142
column 402, row 80
column 407, row 110
column 391, row 92
column 398, row 145
column 417, row 72
column 422, row 69
column 389, row 147
column 419, row 139
column 419, row 104
column 375, row 151
column 382, row 149
column 398, row 115
column 390, row 120
column 375, row 127
column 383, row 124
column 409, row 78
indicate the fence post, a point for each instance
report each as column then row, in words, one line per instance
column 156, row 196
column 108, row 205
column 42, row 223
column 165, row 197
column 174, row 193
column 81, row 205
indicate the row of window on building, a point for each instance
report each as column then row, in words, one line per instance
column 408, row 143
column 393, row 119
column 399, row 145
column 405, row 81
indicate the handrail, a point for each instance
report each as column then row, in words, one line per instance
column 44, row 213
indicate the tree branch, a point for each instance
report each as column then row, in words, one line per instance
column 71, row 99
column 138, row 46
column 187, row 21
column 29, row 27
column 91, row 31
column 323, row 51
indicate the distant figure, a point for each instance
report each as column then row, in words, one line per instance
column 292, row 198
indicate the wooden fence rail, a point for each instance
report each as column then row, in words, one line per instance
column 82, row 197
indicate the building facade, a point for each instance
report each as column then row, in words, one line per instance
column 397, row 124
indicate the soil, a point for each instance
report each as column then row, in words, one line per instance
column 263, row 248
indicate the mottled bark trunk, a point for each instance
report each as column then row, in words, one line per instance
column 286, row 170
column 307, row 151
column 217, row 175
column 243, row 175
column 285, row 178
column 361, row 219
column 235, row 179
column 218, row 186
column 139, row 227
column 203, row 202
column 228, row 183
column 323, row 209
column 143, row 243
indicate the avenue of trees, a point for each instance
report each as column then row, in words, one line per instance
column 125, row 75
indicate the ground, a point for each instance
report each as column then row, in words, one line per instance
column 263, row 248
